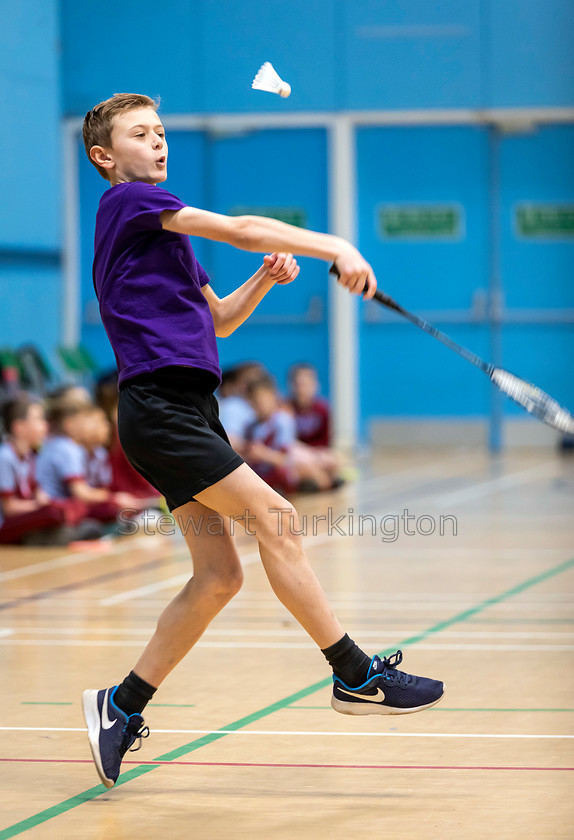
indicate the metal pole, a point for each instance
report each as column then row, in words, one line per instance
column 343, row 324
column 495, row 290
column 71, row 264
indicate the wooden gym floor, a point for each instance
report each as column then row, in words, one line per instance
column 244, row 743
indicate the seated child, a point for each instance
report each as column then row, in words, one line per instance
column 124, row 479
column 63, row 464
column 96, row 437
column 27, row 514
column 273, row 450
column 235, row 411
column 69, row 394
column 312, row 415
column 270, row 438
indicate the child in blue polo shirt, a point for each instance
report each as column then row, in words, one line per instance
column 162, row 318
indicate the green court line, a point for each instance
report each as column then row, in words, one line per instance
column 205, row 740
column 526, row 620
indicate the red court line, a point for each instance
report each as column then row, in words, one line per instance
column 295, row 766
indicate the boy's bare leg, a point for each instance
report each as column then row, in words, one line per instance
column 113, row 716
column 217, row 576
column 282, row 554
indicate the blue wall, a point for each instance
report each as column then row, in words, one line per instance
column 423, row 166
column 30, row 177
column 200, row 56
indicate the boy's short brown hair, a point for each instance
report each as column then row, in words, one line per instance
column 57, row 414
column 97, row 128
column 263, row 383
column 17, row 408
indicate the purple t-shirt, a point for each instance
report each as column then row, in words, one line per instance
column 148, row 283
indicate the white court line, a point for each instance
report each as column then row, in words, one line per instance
column 387, row 606
column 504, row 482
column 280, row 612
column 181, row 580
column 514, row 479
column 70, row 559
column 254, row 557
column 294, row 632
column 169, row 583
column 381, row 482
column 367, row 597
column 310, row 733
column 246, row 645
column 383, row 606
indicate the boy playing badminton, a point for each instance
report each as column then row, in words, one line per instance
column 162, row 319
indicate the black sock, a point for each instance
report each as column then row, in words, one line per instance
column 348, row 661
column 133, row 695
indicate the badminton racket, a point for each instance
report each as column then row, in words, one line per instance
column 523, row 393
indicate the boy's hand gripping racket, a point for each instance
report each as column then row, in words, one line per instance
column 531, row 398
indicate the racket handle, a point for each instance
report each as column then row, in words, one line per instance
column 382, row 297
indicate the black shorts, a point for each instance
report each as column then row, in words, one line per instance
column 169, row 428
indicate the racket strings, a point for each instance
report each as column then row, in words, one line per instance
column 534, row 400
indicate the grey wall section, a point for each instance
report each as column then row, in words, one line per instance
column 30, row 177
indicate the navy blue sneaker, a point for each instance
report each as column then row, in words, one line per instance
column 111, row 732
column 386, row 691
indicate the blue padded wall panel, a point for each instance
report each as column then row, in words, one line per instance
column 31, row 302
column 199, row 55
column 382, row 54
column 404, row 372
column 542, row 354
column 272, row 169
column 298, row 37
column 31, row 174
column 411, row 54
column 425, row 166
column 141, row 48
column 529, row 54
column 537, row 168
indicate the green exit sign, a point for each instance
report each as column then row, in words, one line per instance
column 420, row 221
column 535, row 221
column 291, row 215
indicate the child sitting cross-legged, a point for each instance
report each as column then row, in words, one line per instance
column 63, row 463
column 124, row 478
column 27, row 513
column 273, row 450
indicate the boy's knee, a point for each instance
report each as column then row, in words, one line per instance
column 280, row 525
column 234, row 581
column 224, row 584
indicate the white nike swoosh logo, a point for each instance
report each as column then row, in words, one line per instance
column 106, row 722
column 370, row 698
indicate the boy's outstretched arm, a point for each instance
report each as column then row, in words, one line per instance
column 230, row 312
column 258, row 233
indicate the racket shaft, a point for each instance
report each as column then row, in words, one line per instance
column 387, row 300
column 475, row 360
column 528, row 396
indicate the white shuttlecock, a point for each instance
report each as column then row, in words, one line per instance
column 268, row 79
